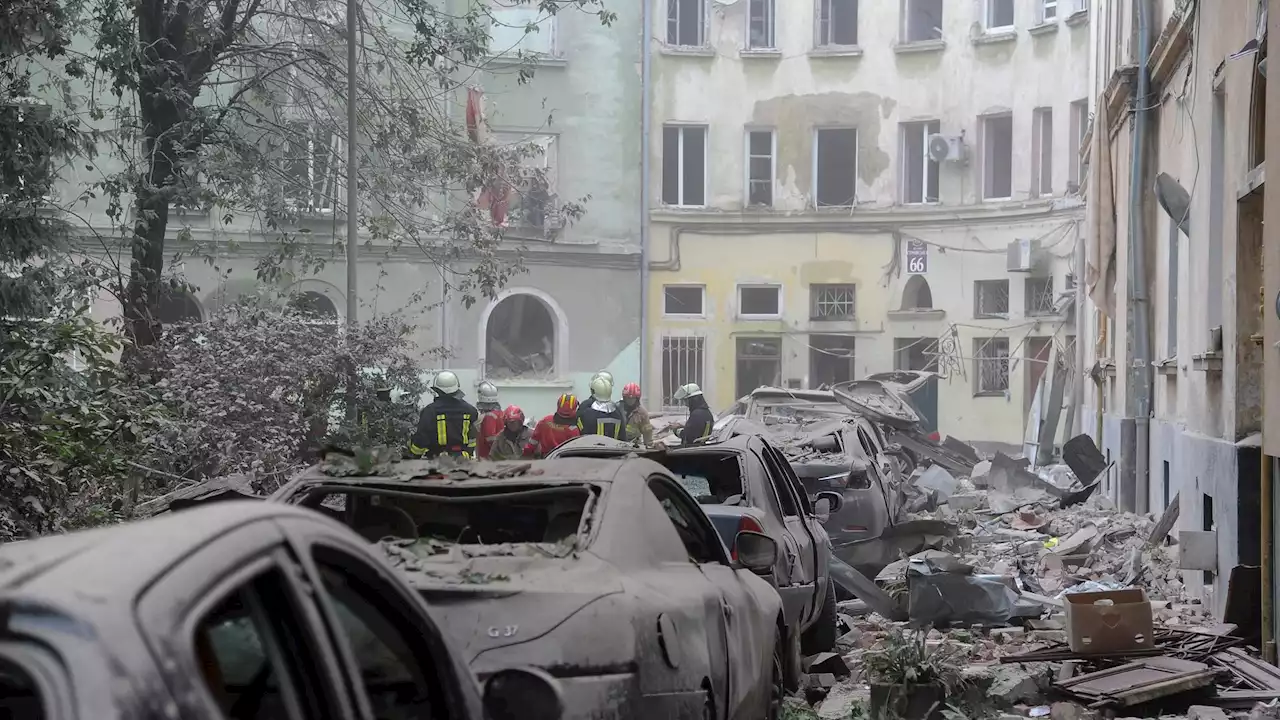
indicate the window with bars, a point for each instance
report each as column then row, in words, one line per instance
column 833, row 302
column 759, row 363
column 1039, row 297
column 991, row 298
column 991, row 366
column 760, row 24
column 683, row 362
column 760, row 167
column 311, row 167
column 686, row 22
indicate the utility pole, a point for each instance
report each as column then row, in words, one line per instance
column 352, row 195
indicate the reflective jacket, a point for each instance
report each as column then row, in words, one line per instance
column 551, row 432
column 602, row 418
column 699, row 424
column 490, row 425
column 639, row 427
column 446, row 427
column 505, row 447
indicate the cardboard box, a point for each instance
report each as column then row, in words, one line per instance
column 1111, row 621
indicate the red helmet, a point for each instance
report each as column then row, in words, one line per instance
column 513, row 413
column 631, row 390
column 567, row 405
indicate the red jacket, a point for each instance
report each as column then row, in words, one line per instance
column 490, row 425
column 549, row 434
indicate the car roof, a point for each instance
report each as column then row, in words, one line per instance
column 556, row 471
column 123, row 557
column 813, row 395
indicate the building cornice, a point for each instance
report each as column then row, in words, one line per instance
column 872, row 220
column 1171, row 47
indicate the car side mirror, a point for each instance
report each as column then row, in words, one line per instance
column 834, row 501
column 522, row 694
column 757, row 552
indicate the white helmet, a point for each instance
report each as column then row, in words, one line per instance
column 685, row 392
column 487, row 392
column 601, row 387
column 446, row 383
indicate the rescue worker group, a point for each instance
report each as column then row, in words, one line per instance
column 451, row 426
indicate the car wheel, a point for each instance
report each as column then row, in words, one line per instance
column 821, row 637
column 777, row 680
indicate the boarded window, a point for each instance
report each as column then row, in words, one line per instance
column 836, row 166
column 684, row 165
column 991, row 298
column 991, row 365
column 682, row 363
column 831, row 359
column 759, row 363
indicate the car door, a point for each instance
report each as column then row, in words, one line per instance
column 799, row 529
column 236, row 636
column 821, row 540
column 398, row 665
column 706, row 549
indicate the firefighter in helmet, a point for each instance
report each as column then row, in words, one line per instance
column 557, row 428
column 446, row 426
column 491, row 420
column 600, row 415
column 639, row 427
column 515, row 441
column 700, row 421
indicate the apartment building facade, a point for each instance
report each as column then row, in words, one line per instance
column 550, row 328
column 1175, row 301
column 842, row 188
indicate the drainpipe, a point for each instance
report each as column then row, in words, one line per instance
column 1079, row 382
column 1139, row 371
column 1268, row 597
column 646, row 42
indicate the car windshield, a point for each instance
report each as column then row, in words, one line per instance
column 793, row 409
column 506, row 519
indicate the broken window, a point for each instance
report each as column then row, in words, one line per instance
column 759, row 301
column 178, row 306
column 760, row 24
column 759, row 363
column 915, row 353
column 684, row 165
column 520, row 338
column 760, row 167
column 533, row 183
column 1042, row 152
column 999, row 15
column 315, row 307
column 997, row 157
column 835, row 167
column 510, row 32
column 837, row 22
column 686, row 22
column 683, row 299
column 833, row 301
column 1079, row 126
column 991, row 298
column 922, row 20
column 1048, row 10
column 682, row 363
column 1040, row 300
column 916, row 294
column 919, row 170
column 831, row 359
column 311, row 167
column 991, row 365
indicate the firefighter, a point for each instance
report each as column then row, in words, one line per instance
column 639, row 427
column 698, row 425
column 600, row 415
column 515, row 441
column 491, row 422
column 447, row 426
column 558, row 427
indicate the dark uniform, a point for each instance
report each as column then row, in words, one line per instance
column 700, row 421
column 446, row 427
column 607, row 420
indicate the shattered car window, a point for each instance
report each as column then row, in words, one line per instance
column 711, row 479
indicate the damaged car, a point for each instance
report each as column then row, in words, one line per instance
column 238, row 610
column 606, row 575
column 745, row 485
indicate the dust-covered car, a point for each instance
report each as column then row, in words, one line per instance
column 235, row 610
column 607, row 575
column 742, row 483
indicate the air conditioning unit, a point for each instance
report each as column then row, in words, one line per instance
column 949, row 148
column 1023, row 255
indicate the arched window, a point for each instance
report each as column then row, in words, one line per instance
column 315, row 306
column 177, row 306
column 520, row 337
column 916, row 294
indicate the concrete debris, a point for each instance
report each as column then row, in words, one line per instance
column 937, row 479
column 1205, row 712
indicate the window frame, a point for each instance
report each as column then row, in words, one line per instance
column 1029, row 307
column 680, row 160
column 1042, row 150
column 823, row 42
column 980, row 344
column 817, row 153
column 699, row 347
column 549, row 162
column 703, row 24
column 551, row 33
column 292, row 184
column 1042, row 11
column 702, row 312
column 904, row 32
column 699, row 517
column 986, row 149
column 1078, row 127
column 816, row 288
column 738, row 358
column 904, row 132
column 977, row 299
column 757, row 286
column 773, row 165
column 988, row 15
column 771, row 13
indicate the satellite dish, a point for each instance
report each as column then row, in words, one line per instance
column 1175, row 200
column 939, row 148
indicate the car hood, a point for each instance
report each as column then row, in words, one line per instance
column 874, row 400
column 495, row 601
column 904, row 381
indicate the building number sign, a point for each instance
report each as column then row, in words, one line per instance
column 917, row 257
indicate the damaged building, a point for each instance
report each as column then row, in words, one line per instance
column 846, row 188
